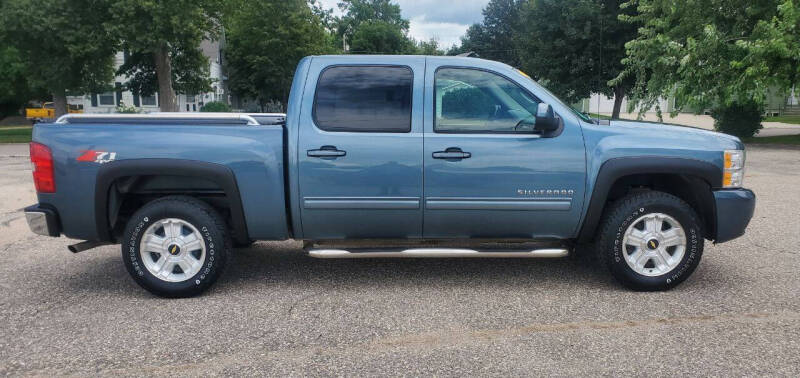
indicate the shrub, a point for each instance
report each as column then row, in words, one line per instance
column 124, row 109
column 216, row 107
column 740, row 119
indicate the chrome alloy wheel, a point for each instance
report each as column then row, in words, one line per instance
column 654, row 244
column 172, row 250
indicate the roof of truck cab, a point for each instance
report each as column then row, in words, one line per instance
column 401, row 58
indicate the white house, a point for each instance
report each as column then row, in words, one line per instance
column 187, row 102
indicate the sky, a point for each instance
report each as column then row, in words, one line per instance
column 445, row 20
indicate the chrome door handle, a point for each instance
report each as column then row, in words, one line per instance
column 452, row 153
column 326, row 152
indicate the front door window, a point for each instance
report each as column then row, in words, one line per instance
column 475, row 101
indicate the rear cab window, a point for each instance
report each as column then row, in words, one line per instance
column 364, row 99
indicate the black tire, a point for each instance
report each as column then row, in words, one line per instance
column 618, row 218
column 199, row 215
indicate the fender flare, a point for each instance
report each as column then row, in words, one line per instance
column 614, row 169
column 217, row 173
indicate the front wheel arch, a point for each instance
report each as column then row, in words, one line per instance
column 704, row 175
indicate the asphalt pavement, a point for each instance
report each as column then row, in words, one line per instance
column 278, row 312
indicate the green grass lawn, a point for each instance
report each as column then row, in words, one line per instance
column 785, row 119
column 15, row 134
column 781, row 139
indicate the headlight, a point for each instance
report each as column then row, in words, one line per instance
column 733, row 174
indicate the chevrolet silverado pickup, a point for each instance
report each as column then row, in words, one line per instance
column 390, row 156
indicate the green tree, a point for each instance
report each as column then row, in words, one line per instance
column 358, row 12
column 429, row 47
column 190, row 71
column 773, row 50
column 576, row 47
column 378, row 37
column 493, row 38
column 58, row 45
column 162, row 30
column 265, row 41
column 715, row 54
column 14, row 90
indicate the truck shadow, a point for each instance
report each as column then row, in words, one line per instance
column 266, row 264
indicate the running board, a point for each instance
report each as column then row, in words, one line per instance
column 435, row 253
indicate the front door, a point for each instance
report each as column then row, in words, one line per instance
column 487, row 173
column 360, row 150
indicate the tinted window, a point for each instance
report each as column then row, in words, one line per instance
column 365, row 99
column 474, row 101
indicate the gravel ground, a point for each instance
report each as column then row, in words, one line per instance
column 278, row 312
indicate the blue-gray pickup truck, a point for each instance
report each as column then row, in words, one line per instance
column 391, row 156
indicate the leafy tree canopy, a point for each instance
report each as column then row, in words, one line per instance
column 379, row 37
column 493, row 38
column 357, row 12
column 576, row 47
column 265, row 41
column 63, row 47
column 773, row 49
column 190, row 72
column 573, row 47
column 14, row 89
column 170, row 32
column 708, row 53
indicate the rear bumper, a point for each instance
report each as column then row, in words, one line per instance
column 43, row 220
column 734, row 210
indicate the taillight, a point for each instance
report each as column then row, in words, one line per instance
column 42, row 160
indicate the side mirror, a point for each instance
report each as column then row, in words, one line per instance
column 546, row 120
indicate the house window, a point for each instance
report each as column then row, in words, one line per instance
column 106, row 98
column 149, row 100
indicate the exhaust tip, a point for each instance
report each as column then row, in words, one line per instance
column 82, row 246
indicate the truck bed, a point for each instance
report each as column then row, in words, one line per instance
column 82, row 148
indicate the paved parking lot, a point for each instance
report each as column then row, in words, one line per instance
column 278, row 312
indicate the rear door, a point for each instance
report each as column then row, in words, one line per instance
column 360, row 148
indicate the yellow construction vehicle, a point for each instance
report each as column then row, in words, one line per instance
column 48, row 111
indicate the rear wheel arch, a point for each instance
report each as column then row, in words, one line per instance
column 689, row 179
column 107, row 201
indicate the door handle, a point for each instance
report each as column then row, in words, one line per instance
column 452, row 153
column 326, row 152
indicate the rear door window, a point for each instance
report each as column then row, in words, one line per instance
column 364, row 99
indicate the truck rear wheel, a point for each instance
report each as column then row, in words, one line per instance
column 176, row 246
column 650, row 241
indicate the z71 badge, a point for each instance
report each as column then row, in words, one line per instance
column 99, row 157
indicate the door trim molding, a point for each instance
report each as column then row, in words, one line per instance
column 497, row 203
column 362, row 203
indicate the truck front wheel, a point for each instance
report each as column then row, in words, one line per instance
column 650, row 241
column 176, row 246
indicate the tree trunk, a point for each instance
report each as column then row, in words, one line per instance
column 60, row 102
column 166, row 94
column 619, row 95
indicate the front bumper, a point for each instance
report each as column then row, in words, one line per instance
column 43, row 220
column 734, row 210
